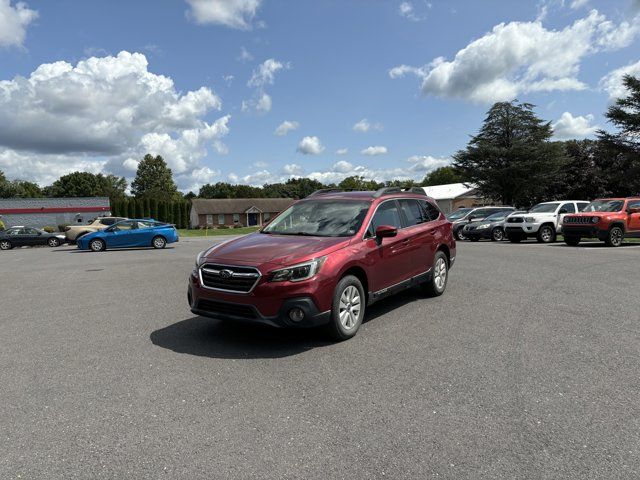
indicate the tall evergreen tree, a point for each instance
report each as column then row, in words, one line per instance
column 511, row 159
column 621, row 150
column 154, row 180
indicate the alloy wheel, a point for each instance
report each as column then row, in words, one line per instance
column 159, row 242
column 96, row 245
column 498, row 234
column 54, row 242
column 350, row 307
column 440, row 273
column 5, row 245
column 546, row 234
column 616, row 236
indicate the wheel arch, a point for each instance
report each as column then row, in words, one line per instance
column 360, row 273
column 443, row 247
column 617, row 223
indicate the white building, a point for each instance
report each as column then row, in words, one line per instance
column 453, row 196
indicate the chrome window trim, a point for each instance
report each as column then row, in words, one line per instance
column 257, row 277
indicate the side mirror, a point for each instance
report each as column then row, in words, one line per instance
column 386, row 231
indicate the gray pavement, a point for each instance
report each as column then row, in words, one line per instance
column 528, row 367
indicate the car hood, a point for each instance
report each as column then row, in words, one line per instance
column 534, row 215
column 259, row 248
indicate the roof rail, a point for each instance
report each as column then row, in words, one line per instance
column 391, row 190
column 324, row 191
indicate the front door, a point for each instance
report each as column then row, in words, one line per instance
column 252, row 219
column 389, row 258
column 634, row 218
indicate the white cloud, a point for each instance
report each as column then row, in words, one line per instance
column 197, row 178
column 364, row 126
column 342, row 167
column 103, row 112
column 521, row 57
column 292, row 169
column 568, row 126
column 342, row 151
column 265, row 73
column 231, row 13
column 285, row 127
column 612, row 82
column 310, row 146
column 373, row 151
column 576, row 4
column 407, row 11
column 245, row 55
column 14, row 21
column 261, row 104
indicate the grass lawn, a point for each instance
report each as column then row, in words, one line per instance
column 216, row 232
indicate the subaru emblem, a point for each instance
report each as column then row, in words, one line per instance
column 226, row 273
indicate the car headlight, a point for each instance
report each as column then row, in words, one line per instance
column 484, row 225
column 595, row 219
column 199, row 257
column 529, row 219
column 299, row 272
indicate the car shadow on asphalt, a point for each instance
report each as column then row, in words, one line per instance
column 108, row 250
column 207, row 337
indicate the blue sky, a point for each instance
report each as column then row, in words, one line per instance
column 385, row 89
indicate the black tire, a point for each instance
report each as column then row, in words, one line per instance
column 437, row 284
column 351, row 319
column 571, row 240
column 97, row 245
column 159, row 242
column 459, row 235
column 53, row 242
column 474, row 239
column 615, row 236
column 497, row 234
column 546, row 234
column 5, row 245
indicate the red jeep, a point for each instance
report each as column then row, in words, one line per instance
column 608, row 219
column 325, row 258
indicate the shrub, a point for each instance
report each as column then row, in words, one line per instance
column 223, row 227
column 237, row 225
column 63, row 227
column 49, row 229
column 1, row 225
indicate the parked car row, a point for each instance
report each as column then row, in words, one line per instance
column 102, row 233
column 607, row 219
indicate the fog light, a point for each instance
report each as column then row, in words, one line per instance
column 296, row 314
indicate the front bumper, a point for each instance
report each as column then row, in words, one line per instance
column 477, row 233
column 584, row 231
column 522, row 229
column 272, row 309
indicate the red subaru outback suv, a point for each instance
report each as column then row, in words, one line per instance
column 608, row 219
column 325, row 258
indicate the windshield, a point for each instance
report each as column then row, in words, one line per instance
column 497, row 216
column 544, row 208
column 329, row 218
column 458, row 214
column 604, row 206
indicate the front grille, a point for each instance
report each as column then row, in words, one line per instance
column 229, row 278
column 515, row 220
column 578, row 220
column 231, row 309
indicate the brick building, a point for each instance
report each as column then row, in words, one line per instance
column 453, row 196
column 42, row 212
column 235, row 211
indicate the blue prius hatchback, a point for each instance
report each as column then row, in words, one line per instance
column 130, row 233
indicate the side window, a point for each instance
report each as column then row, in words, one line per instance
column 13, row 231
column 568, row 208
column 236, row 217
column 480, row 213
column 128, row 225
column 108, row 221
column 30, row 231
column 430, row 212
column 582, row 206
column 412, row 212
column 633, row 204
column 387, row 214
column 221, row 219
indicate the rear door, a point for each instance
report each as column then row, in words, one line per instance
column 420, row 230
column 16, row 237
column 389, row 259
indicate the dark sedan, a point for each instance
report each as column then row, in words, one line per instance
column 27, row 237
column 491, row 227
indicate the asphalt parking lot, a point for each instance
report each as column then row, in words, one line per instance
column 526, row 368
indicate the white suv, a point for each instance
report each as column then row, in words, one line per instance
column 544, row 221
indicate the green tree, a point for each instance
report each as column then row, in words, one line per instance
column 20, row 189
column 442, row 176
column 583, row 177
column 154, row 180
column 217, row 190
column 620, row 151
column 359, row 183
column 511, row 159
column 86, row 184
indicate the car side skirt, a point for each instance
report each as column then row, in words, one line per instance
column 398, row 287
